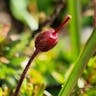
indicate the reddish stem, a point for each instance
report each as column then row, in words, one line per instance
column 62, row 24
column 25, row 71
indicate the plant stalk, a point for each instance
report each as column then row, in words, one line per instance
column 25, row 71
column 75, row 26
column 79, row 65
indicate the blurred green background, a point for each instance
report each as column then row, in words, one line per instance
column 20, row 22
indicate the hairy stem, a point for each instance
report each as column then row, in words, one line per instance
column 78, row 67
column 24, row 72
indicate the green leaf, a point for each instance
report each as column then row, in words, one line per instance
column 79, row 66
column 20, row 12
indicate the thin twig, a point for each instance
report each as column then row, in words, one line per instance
column 56, row 12
column 58, row 8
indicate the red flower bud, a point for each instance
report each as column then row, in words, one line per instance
column 44, row 42
column 48, row 39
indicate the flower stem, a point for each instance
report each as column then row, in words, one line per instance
column 25, row 71
column 79, row 65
